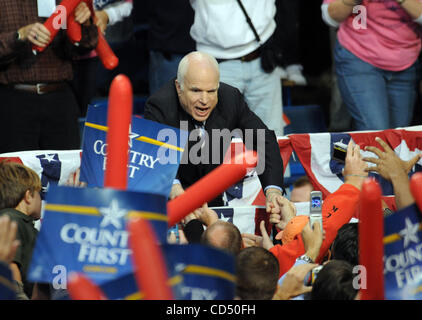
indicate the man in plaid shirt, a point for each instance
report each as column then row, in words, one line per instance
column 38, row 109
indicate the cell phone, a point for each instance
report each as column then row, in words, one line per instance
column 175, row 230
column 315, row 212
column 339, row 151
column 311, row 276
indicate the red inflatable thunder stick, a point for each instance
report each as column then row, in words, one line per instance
column 74, row 30
column 81, row 288
column 416, row 188
column 118, row 122
column 211, row 185
column 371, row 246
column 148, row 261
column 106, row 55
column 52, row 22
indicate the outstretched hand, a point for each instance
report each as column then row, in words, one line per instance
column 354, row 168
column 73, row 179
column 388, row 164
column 312, row 240
column 281, row 210
column 8, row 242
column 293, row 283
column 206, row 215
column 252, row 240
column 392, row 168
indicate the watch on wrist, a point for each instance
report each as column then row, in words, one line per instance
column 18, row 36
column 305, row 258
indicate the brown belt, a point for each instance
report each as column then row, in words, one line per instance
column 246, row 58
column 40, row 88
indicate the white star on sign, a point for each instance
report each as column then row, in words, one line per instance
column 45, row 189
column 409, row 233
column 49, row 157
column 132, row 135
column 222, row 217
column 112, row 214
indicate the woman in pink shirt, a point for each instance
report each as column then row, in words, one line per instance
column 376, row 58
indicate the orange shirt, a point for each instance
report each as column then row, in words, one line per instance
column 338, row 208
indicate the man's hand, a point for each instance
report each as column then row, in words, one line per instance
column 252, row 240
column 388, row 164
column 281, row 210
column 172, row 239
column 292, row 285
column 73, row 179
column 8, row 242
column 354, row 168
column 35, row 33
column 101, row 20
column 273, row 200
column 176, row 190
column 82, row 14
column 312, row 240
column 206, row 215
column 392, row 168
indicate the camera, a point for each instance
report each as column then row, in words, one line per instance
column 340, row 151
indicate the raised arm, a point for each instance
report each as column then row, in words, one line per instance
column 392, row 168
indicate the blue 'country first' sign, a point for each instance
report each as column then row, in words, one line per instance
column 196, row 272
column 155, row 152
column 206, row 273
column 84, row 230
column 403, row 255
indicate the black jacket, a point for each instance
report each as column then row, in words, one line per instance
column 230, row 113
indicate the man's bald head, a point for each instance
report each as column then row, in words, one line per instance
column 223, row 235
column 196, row 59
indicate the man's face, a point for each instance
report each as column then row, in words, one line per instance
column 199, row 95
column 301, row 194
column 35, row 205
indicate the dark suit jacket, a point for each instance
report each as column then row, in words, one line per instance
column 230, row 113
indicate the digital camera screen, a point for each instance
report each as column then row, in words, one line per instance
column 316, row 202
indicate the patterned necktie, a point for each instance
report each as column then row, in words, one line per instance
column 201, row 126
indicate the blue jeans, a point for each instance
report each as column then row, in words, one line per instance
column 377, row 99
column 162, row 69
column 262, row 91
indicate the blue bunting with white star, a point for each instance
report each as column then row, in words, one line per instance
column 403, row 254
column 84, row 230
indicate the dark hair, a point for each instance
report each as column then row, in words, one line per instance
column 15, row 180
column 334, row 282
column 229, row 237
column 302, row 181
column 257, row 272
column 345, row 246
